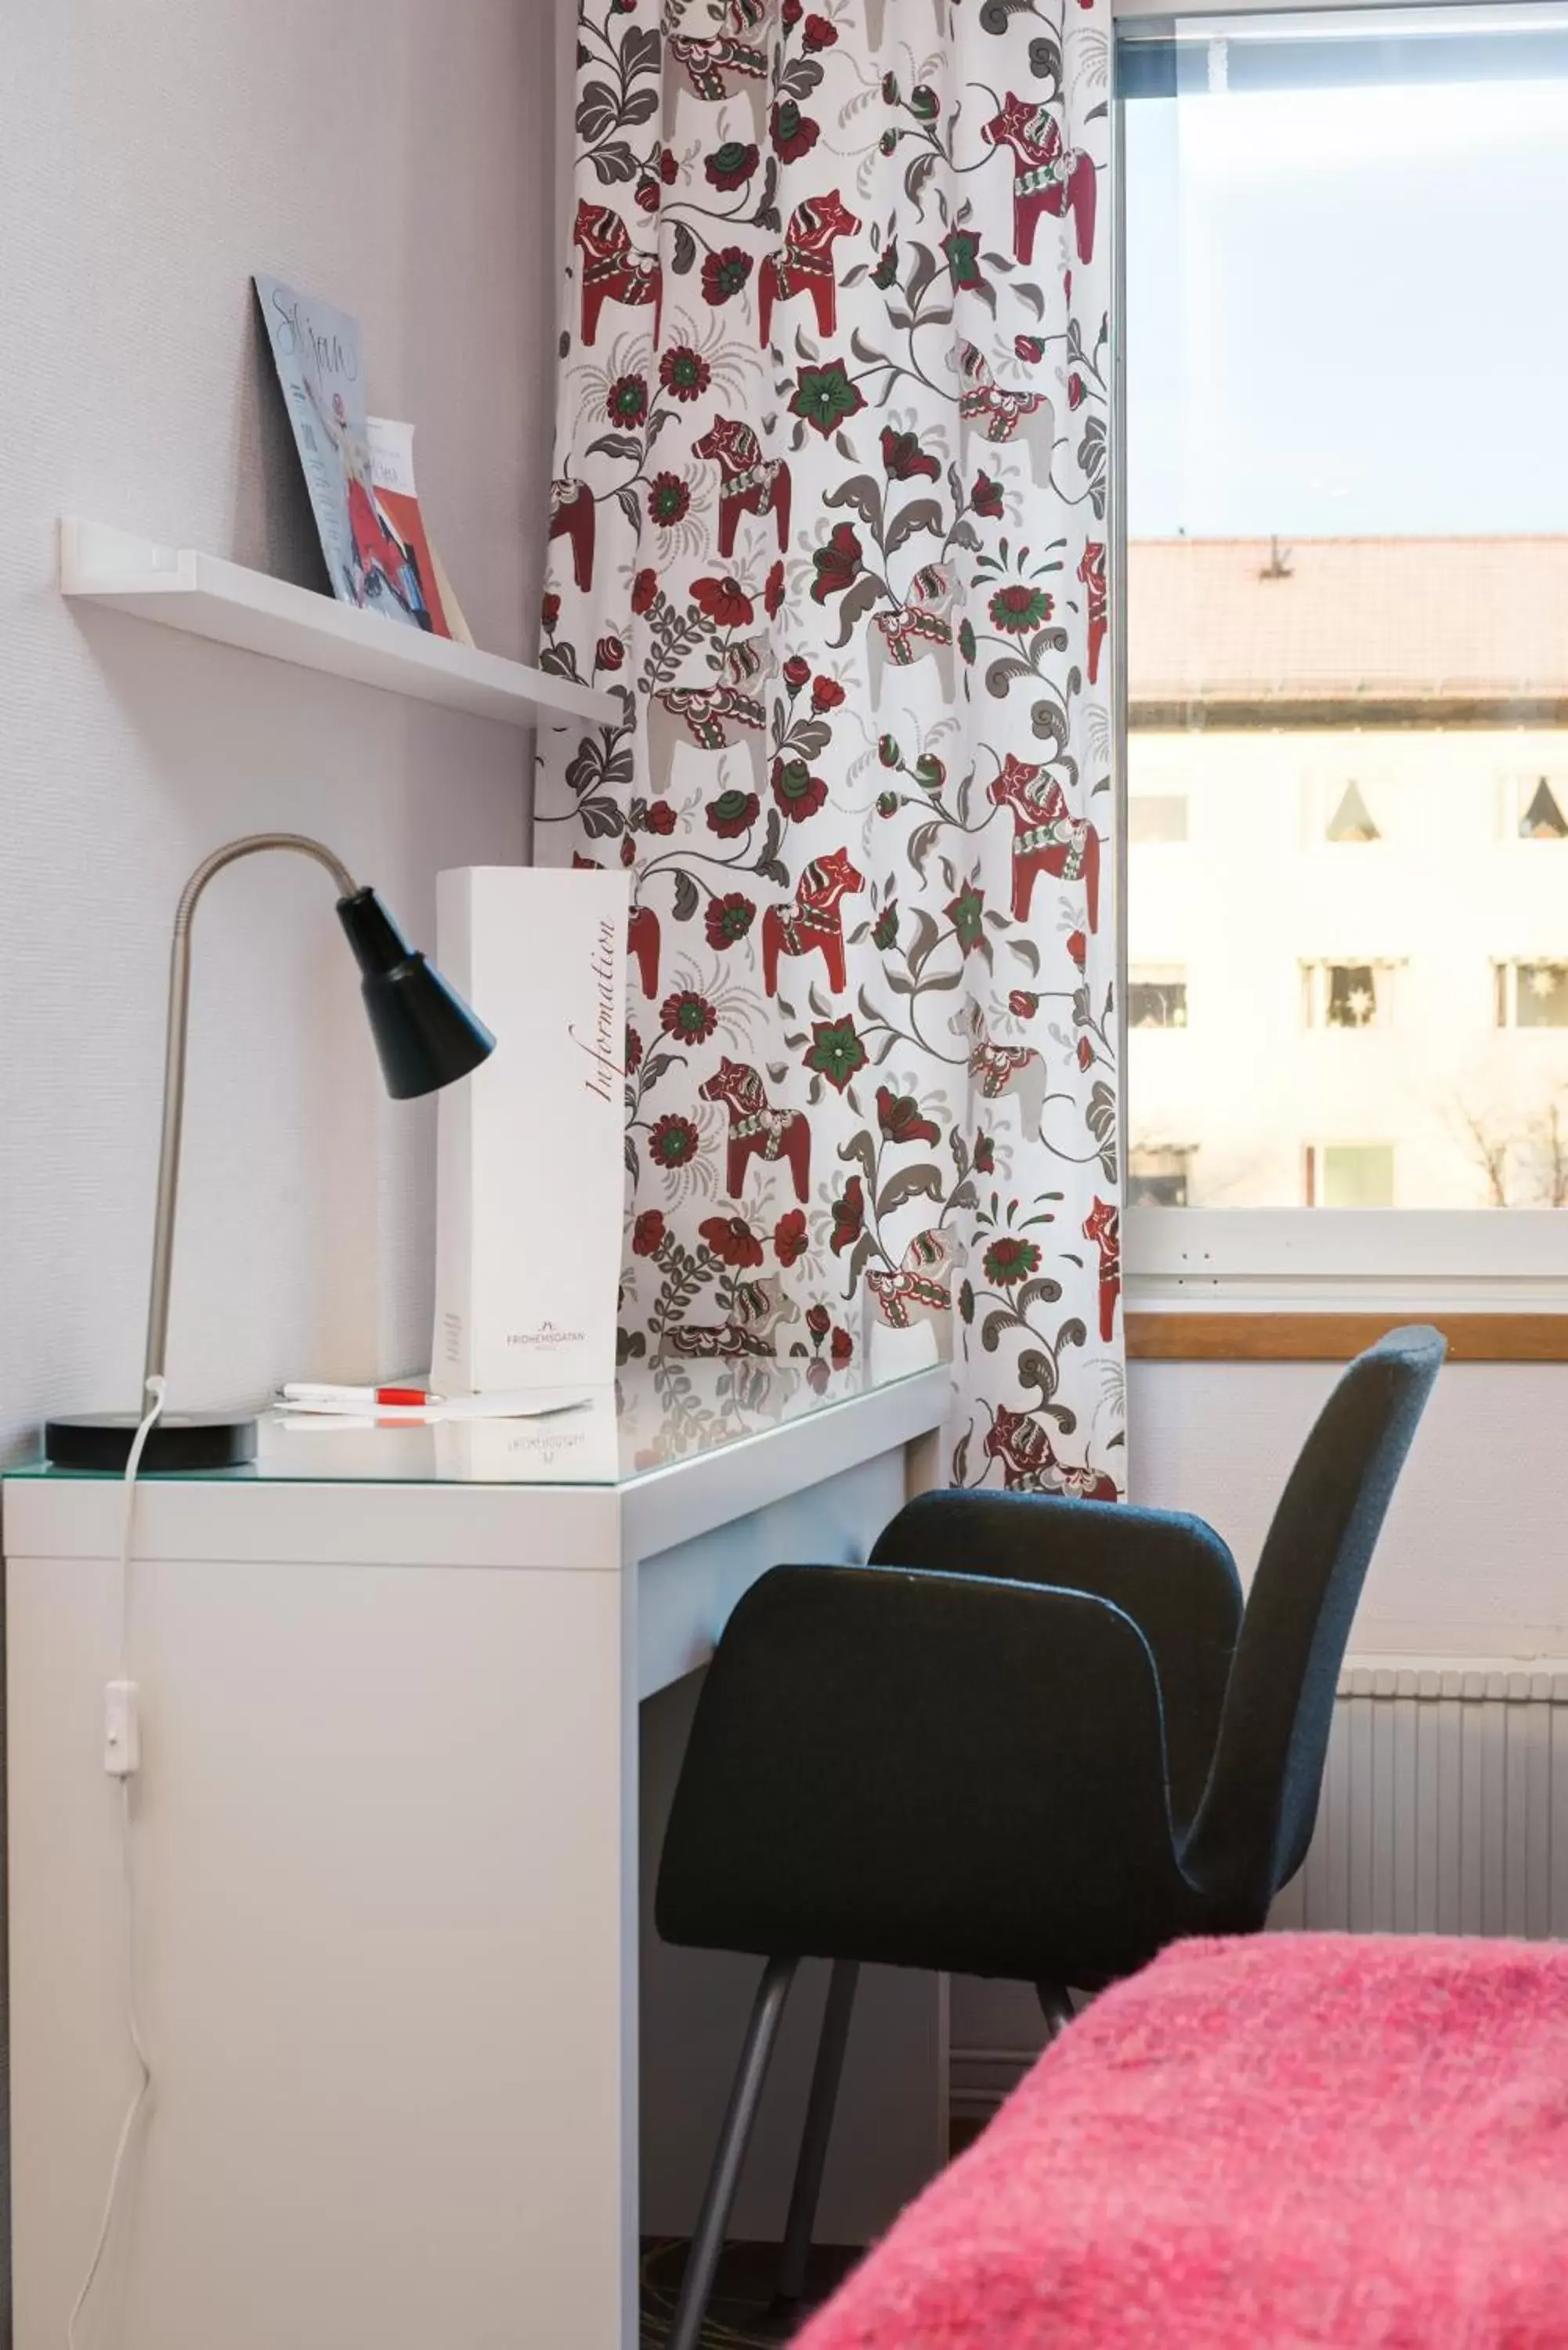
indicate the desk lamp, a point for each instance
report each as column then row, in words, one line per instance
column 425, row 1037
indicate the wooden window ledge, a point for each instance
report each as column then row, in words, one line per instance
column 1216, row 1337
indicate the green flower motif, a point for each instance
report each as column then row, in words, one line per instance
column 724, row 273
column 825, row 397
column 885, row 929
column 794, row 133
column 887, row 751
column 1019, row 610
column 837, row 1052
column 885, row 273
column 967, row 914
column 930, row 773
column 626, row 402
column 923, row 102
column 732, row 163
column 732, row 814
column 673, row 1142
column 683, row 372
column 1009, row 1260
column 889, row 89
column 888, row 141
column 668, row 498
column 966, row 1300
column 962, row 246
column 966, row 640
column 798, row 791
column 886, row 803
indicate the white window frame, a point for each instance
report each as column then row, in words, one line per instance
column 1406, row 1262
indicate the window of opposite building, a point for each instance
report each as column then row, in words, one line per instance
column 1533, row 807
column 1158, row 1179
column 1157, row 817
column 1351, row 994
column 1345, row 661
column 1157, row 996
column 1348, row 1175
column 1532, row 995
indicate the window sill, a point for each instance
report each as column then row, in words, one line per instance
column 1317, row 1285
column 1214, row 1335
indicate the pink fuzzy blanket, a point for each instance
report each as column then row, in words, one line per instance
column 1260, row 2144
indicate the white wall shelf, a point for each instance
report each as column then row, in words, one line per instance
column 207, row 597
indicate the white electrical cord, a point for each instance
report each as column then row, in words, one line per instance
column 155, row 1388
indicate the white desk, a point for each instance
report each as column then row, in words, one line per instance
column 387, row 1853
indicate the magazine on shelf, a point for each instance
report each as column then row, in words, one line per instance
column 317, row 352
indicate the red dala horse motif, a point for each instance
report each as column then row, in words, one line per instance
column 1046, row 840
column 1047, row 177
column 816, row 922
column 757, row 1130
column 612, row 272
column 749, row 482
column 805, row 263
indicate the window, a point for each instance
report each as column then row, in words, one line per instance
column 1158, row 1179
column 1532, row 995
column 1349, row 1175
column 1351, row 819
column 1154, row 816
column 1532, row 808
column 1339, row 666
column 1347, row 994
column 1157, row 997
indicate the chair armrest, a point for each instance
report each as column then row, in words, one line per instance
column 928, row 1769
column 1170, row 1573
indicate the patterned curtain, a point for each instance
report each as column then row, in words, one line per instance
column 829, row 514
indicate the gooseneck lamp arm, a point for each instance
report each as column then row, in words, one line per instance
column 425, row 1037
column 174, row 1062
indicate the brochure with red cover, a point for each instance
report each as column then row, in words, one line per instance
column 392, row 483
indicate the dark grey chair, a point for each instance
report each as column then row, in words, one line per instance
column 1033, row 1738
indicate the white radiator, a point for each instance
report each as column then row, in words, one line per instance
column 1444, row 1811
column 1445, row 1804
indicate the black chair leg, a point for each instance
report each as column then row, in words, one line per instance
column 740, row 2119
column 825, row 2075
column 1055, row 2006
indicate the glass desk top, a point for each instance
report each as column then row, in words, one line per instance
column 655, row 1415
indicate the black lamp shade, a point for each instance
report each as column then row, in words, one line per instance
column 425, row 1034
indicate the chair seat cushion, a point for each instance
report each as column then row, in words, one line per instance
column 1284, row 2140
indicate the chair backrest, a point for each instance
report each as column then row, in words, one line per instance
column 1256, row 1820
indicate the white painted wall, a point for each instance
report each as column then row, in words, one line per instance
column 1473, row 1560
column 397, row 159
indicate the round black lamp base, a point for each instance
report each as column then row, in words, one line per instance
column 182, row 1439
